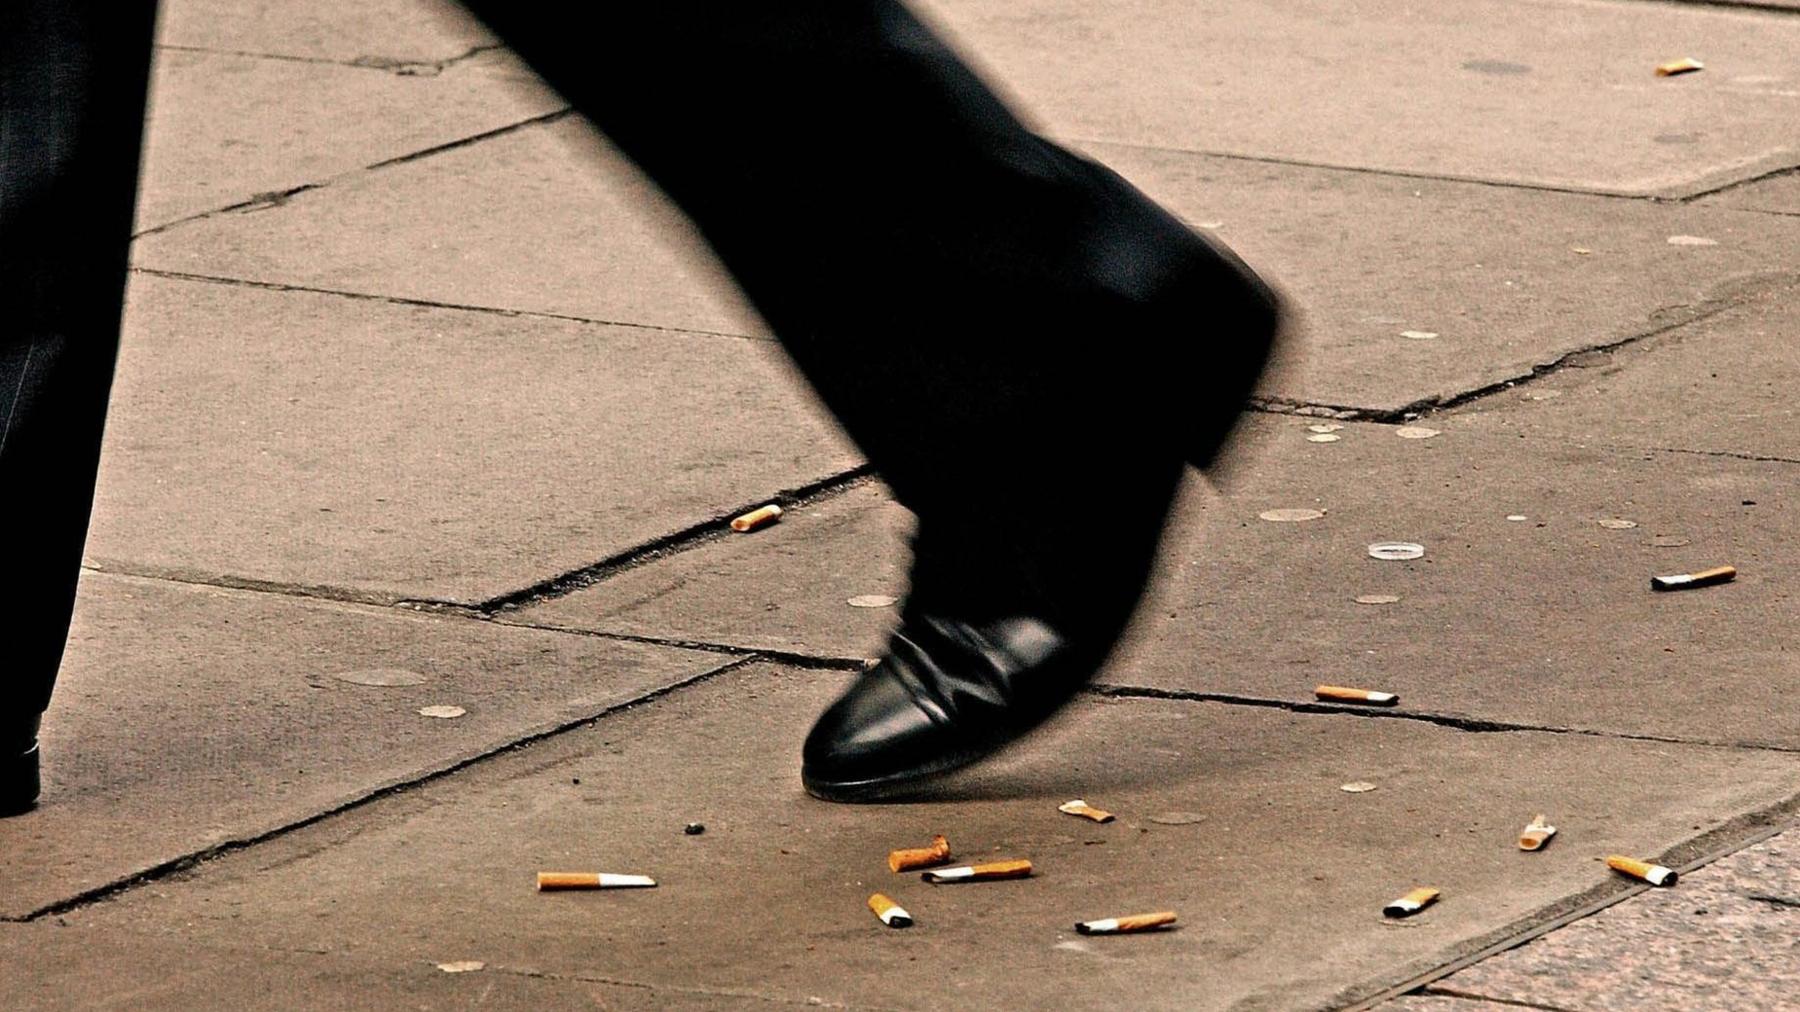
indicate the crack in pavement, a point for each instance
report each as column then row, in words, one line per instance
column 392, row 65
column 401, row 300
column 187, row 861
column 1450, row 992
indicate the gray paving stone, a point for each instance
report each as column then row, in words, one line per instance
column 1254, row 608
column 189, row 717
column 1495, row 273
column 223, row 129
column 785, row 588
column 1553, row 93
column 1724, row 937
column 1279, row 885
column 389, row 452
column 1721, row 385
column 381, row 33
column 546, row 219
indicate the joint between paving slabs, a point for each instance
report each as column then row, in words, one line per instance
column 1459, row 722
column 388, row 64
column 1455, row 993
column 186, row 862
column 590, row 978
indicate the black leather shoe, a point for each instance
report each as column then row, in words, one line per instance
column 19, row 783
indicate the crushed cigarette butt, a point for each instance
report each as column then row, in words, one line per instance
column 1419, row 335
column 1290, row 515
column 462, row 966
column 1378, row 599
column 1323, row 437
column 1536, row 834
column 1125, row 925
column 1655, row 874
column 1704, row 578
column 756, row 518
column 554, row 881
column 1617, row 524
column 1411, row 903
column 1582, row 250
column 442, row 712
column 892, row 914
column 1692, row 240
column 1357, row 787
column 1685, row 65
column 980, row 872
column 871, row 601
column 920, row 857
column 1083, row 809
column 1340, row 694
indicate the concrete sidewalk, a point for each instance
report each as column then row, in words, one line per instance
column 429, row 405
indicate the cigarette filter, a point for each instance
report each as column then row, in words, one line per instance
column 1338, row 693
column 980, row 872
column 1536, row 834
column 920, row 857
column 552, row 881
column 892, row 914
column 1685, row 65
column 1411, row 903
column 1123, row 925
column 1655, row 874
column 756, row 518
column 1704, row 578
column 1086, row 811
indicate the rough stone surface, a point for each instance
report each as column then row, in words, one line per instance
column 783, row 588
column 1721, row 385
column 546, row 219
column 795, row 873
column 189, row 717
column 400, row 36
column 389, row 451
column 1726, row 936
column 225, row 129
column 1482, row 90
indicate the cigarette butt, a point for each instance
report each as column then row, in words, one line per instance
column 1085, row 810
column 1122, row 925
column 1655, row 874
column 1341, row 694
column 1704, row 578
column 756, row 518
column 1411, row 903
column 552, row 881
column 980, row 872
column 892, row 914
column 920, row 857
column 1685, row 65
column 1536, row 834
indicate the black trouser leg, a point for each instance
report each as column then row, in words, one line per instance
column 73, row 75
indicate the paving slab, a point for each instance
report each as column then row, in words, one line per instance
column 1725, row 936
column 399, row 35
column 1558, row 93
column 189, row 717
column 1507, row 280
column 385, row 452
column 55, row 966
column 1492, row 271
column 1778, row 195
column 783, row 588
column 1266, row 609
column 547, row 219
column 1720, row 385
column 1279, row 883
column 223, row 129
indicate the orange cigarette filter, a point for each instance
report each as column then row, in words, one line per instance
column 1685, row 65
column 1536, row 834
column 1655, row 874
column 920, row 857
column 756, row 518
column 1341, row 694
column 1085, row 810
column 980, row 872
column 1412, row 902
column 554, row 881
column 1126, row 925
column 892, row 914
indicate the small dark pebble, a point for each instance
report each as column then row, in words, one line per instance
column 1700, row 911
column 575, row 780
column 693, row 829
column 1749, row 502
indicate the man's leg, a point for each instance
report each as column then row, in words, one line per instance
column 1025, row 346
column 73, row 75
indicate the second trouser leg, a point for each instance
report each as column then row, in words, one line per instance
column 979, row 307
column 73, row 76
